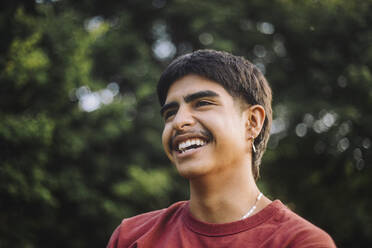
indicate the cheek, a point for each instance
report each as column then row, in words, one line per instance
column 165, row 138
column 231, row 134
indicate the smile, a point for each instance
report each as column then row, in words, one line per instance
column 189, row 144
column 186, row 142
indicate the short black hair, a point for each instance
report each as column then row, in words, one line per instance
column 239, row 77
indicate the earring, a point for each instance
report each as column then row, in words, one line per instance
column 253, row 146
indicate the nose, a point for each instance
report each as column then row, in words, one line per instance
column 183, row 119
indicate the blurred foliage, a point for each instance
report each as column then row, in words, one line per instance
column 80, row 145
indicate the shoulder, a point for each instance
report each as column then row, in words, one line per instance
column 299, row 232
column 131, row 229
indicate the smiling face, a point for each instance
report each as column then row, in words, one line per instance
column 205, row 129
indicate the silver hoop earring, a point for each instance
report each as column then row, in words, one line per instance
column 253, row 146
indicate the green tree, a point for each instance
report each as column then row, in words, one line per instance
column 79, row 124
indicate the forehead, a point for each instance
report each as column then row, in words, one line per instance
column 190, row 84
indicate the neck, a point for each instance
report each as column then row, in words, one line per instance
column 223, row 198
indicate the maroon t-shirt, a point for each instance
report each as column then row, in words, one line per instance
column 274, row 226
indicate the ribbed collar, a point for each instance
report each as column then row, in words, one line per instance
column 210, row 229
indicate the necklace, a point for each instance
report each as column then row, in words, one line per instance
column 252, row 208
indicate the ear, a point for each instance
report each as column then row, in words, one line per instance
column 255, row 119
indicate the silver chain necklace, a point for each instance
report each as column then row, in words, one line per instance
column 252, row 208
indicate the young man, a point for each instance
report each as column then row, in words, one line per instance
column 217, row 113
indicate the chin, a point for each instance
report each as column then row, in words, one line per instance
column 192, row 171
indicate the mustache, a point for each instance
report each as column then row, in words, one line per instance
column 204, row 133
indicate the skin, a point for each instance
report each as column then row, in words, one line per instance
column 222, row 188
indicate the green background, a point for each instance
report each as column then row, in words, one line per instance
column 80, row 133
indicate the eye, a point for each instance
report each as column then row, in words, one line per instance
column 167, row 114
column 202, row 103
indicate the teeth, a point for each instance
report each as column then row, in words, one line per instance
column 190, row 142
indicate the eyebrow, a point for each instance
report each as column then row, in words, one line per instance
column 189, row 98
column 200, row 94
